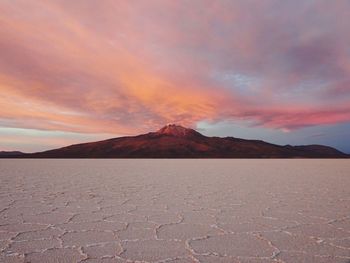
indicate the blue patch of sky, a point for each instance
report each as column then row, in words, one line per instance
column 242, row 83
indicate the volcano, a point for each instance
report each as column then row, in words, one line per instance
column 175, row 141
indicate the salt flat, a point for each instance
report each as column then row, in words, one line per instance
column 175, row 211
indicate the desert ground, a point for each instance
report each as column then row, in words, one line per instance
column 257, row 211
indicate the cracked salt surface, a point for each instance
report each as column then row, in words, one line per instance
column 234, row 211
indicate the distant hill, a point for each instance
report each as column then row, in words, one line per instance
column 174, row 141
column 10, row 153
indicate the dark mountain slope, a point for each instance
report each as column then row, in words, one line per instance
column 173, row 141
column 9, row 154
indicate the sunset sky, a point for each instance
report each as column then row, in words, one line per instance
column 85, row 70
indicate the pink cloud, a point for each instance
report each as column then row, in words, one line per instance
column 127, row 66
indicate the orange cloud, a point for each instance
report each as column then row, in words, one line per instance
column 126, row 67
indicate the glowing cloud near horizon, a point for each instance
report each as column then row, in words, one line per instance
column 125, row 67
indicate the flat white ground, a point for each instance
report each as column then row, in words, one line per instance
column 179, row 211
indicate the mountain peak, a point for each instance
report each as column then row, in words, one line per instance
column 176, row 130
column 175, row 141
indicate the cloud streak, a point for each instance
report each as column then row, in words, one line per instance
column 126, row 67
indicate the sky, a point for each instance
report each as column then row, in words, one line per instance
column 85, row 70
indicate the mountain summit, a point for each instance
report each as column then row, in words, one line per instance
column 177, row 131
column 174, row 141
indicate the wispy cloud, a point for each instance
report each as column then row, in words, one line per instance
column 127, row 66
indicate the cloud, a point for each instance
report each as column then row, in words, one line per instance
column 130, row 66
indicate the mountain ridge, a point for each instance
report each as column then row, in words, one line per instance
column 175, row 141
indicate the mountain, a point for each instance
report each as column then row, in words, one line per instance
column 174, row 141
column 10, row 153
